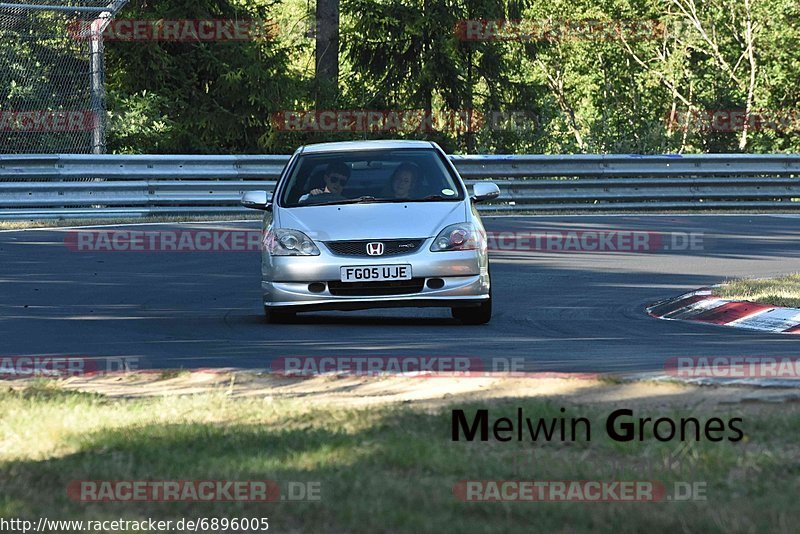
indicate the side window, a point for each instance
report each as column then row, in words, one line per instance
column 308, row 176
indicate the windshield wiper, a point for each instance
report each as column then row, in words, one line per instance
column 429, row 198
column 360, row 200
column 368, row 199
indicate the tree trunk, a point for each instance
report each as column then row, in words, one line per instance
column 327, row 53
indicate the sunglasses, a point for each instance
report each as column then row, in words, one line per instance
column 337, row 179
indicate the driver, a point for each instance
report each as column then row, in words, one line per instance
column 335, row 178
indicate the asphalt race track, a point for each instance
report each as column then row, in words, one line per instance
column 561, row 311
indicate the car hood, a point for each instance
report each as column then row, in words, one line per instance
column 372, row 221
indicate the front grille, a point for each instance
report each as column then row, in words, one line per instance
column 368, row 289
column 391, row 247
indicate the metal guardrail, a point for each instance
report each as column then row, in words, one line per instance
column 77, row 185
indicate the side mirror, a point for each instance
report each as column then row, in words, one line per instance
column 257, row 200
column 484, row 191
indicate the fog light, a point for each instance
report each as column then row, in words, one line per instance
column 435, row 283
column 316, row 287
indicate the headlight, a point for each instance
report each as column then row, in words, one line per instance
column 282, row 242
column 461, row 236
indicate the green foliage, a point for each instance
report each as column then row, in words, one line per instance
column 197, row 97
column 578, row 91
column 42, row 68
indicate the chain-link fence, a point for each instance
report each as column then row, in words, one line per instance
column 52, row 86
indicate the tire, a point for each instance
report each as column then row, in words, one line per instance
column 274, row 316
column 474, row 315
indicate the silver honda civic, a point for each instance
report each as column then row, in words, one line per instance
column 370, row 224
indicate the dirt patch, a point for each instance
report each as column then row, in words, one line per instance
column 364, row 391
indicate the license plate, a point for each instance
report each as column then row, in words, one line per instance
column 375, row 273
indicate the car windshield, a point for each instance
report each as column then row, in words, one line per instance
column 405, row 175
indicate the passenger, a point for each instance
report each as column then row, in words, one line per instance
column 403, row 181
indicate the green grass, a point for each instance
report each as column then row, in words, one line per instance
column 780, row 291
column 382, row 469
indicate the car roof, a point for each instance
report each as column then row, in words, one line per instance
column 350, row 146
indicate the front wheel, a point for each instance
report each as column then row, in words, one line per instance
column 274, row 316
column 474, row 315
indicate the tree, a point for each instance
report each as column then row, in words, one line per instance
column 197, row 97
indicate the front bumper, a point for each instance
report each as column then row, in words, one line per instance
column 464, row 279
column 456, row 292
